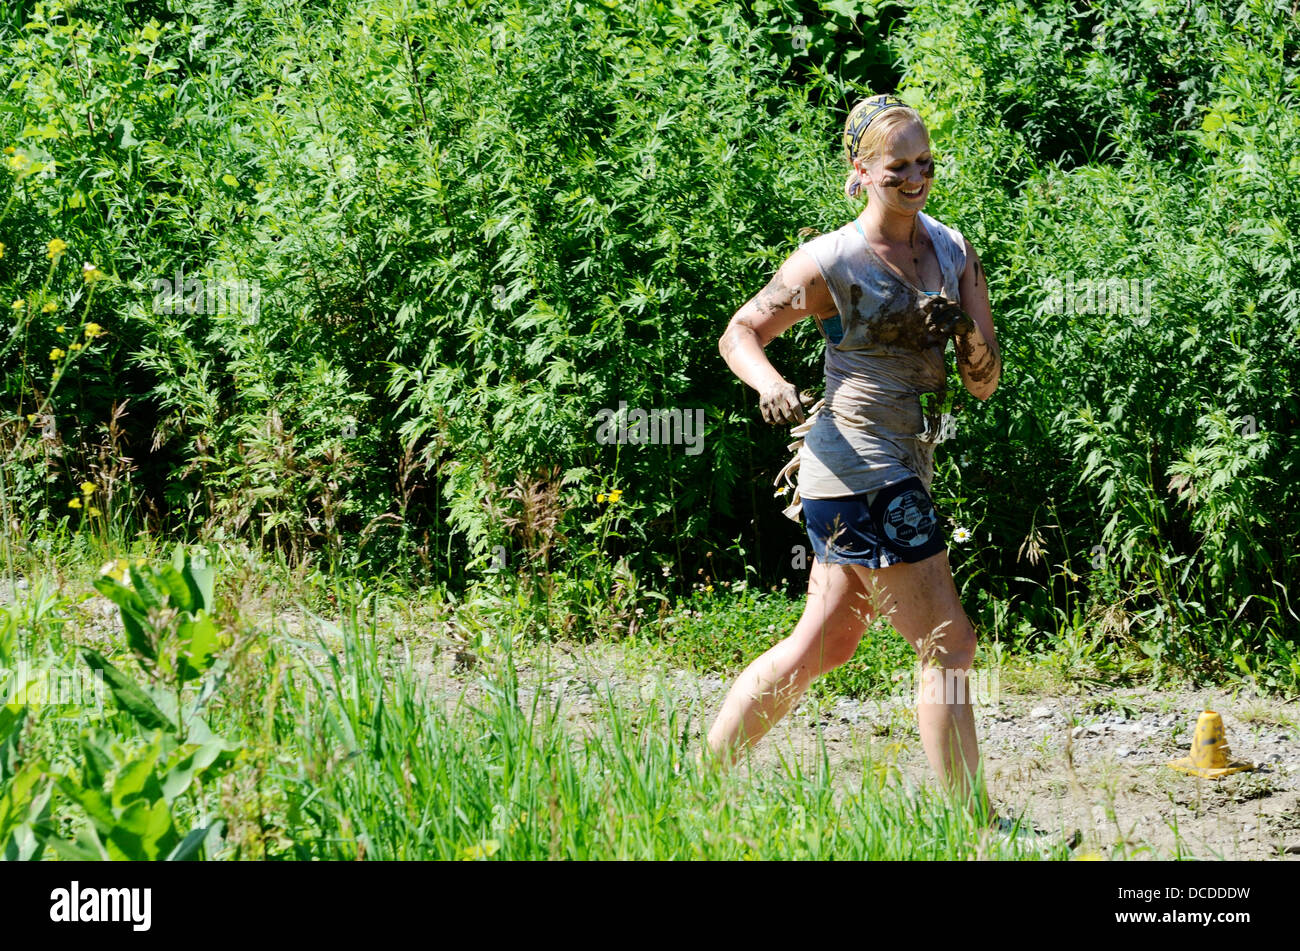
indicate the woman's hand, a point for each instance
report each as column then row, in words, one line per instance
column 979, row 359
column 781, row 402
column 944, row 318
column 796, row 291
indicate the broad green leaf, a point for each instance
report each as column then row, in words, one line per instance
column 143, row 831
column 137, row 780
column 11, row 719
column 195, row 761
column 96, row 758
column 17, row 798
column 129, row 694
column 200, row 639
column 132, row 611
column 171, row 584
column 201, row 579
column 86, row 848
column 189, row 848
column 92, row 801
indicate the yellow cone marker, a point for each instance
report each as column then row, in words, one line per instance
column 1209, row 750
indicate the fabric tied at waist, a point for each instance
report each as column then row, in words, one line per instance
column 788, row 472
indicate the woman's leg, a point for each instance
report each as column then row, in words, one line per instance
column 921, row 601
column 834, row 619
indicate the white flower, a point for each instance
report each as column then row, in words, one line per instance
column 960, row 535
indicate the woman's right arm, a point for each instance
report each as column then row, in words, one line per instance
column 795, row 292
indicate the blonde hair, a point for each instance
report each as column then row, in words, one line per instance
column 866, row 130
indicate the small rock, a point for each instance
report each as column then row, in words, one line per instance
column 1281, row 738
column 1077, row 732
column 1123, row 751
column 1039, row 713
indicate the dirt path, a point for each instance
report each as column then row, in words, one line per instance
column 1094, row 762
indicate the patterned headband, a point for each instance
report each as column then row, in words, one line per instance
column 861, row 117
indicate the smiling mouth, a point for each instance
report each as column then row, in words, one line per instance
column 911, row 194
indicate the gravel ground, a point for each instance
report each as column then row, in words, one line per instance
column 1095, row 762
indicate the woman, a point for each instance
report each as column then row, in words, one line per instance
column 887, row 291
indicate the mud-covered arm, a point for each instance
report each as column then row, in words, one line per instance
column 979, row 359
column 797, row 290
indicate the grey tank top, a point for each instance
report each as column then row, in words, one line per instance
column 879, row 359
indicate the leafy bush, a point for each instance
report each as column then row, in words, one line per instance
column 456, row 232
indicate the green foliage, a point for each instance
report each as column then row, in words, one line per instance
column 1104, row 144
column 460, row 230
column 140, row 777
column 167, row 614
column 128, row 798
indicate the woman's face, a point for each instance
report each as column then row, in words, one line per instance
column 900, row 176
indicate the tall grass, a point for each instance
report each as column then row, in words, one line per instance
column 346, row 746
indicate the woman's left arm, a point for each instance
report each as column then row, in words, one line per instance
column 979, row 359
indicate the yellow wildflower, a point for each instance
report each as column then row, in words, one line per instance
column 115, row 569
column 60, row 329
column 94, row 330
column 92, row 511
column 56, row 247
column 87, row 488
column 75, row 504
column 709, row 588
column 9, row 150
column 74, row 346
column 49, row 308
column 90, row 273
column 31, row 417
column 485, row 849
column 57, row 354
column 616, row 495
column 2, row 249
column 19, row 304
column 600, row 497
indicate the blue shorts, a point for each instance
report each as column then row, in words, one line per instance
column 893, row 524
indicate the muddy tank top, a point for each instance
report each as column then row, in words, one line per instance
column 871, row 431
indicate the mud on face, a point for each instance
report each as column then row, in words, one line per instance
column 890, row 180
